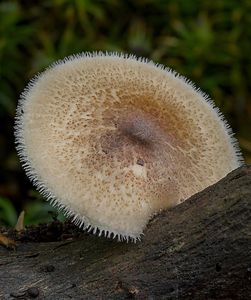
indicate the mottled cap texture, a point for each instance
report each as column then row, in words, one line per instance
column 112, row 139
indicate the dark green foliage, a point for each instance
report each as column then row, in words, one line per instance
column 207, row 41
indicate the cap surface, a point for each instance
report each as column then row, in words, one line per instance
column 112, row 139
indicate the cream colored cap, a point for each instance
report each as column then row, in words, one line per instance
column 112, row 139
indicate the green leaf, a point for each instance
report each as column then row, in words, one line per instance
column 8, row 215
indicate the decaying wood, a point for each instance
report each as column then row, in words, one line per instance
column 200, row 249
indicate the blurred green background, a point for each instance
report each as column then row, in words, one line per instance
column 207, row 41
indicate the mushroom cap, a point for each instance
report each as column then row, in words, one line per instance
column 111, row 139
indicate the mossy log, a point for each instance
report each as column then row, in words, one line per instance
column 200, row 249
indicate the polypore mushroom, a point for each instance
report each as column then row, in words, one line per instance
column 111, row 140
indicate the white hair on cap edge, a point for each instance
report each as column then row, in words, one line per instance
column 111, row 139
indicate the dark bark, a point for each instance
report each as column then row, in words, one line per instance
column 200, row 249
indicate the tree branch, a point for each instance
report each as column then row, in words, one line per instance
column 200, row 249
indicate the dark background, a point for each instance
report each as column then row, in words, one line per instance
column 207, row 41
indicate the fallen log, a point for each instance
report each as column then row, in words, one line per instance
column 200, row 249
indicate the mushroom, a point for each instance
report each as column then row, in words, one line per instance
column 112, row 139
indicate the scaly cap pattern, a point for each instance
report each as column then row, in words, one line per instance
column 111, row 139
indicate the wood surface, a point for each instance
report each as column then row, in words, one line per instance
column 200, row 249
